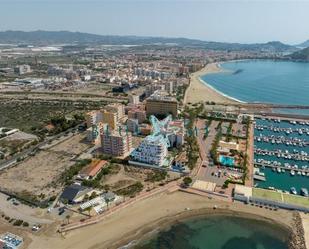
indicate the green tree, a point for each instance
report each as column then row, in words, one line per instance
column 187, row 181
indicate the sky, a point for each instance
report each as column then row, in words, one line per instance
column 245, row 21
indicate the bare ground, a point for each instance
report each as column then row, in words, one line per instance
column 39, row 174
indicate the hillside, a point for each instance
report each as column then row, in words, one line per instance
column 302, row 55
column 304, row 44
column 60, row 37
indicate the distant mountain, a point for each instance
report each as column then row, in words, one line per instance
column 302, row 55
column 59, row 37
column 304, row 44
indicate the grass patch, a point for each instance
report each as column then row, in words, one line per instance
column 296, row 200
column 266, row 194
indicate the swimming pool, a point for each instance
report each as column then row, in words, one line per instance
column 226, row 160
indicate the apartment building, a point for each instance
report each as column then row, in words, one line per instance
column 116, row 108
column 93, row 118
column 110, row 118
column 134, row 99
column 138, row 114
column 115, row 143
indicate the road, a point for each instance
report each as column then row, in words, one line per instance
column 250, row 152
column 205, row 145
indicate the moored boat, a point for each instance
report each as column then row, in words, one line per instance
column 293, row 191
column 304, row 192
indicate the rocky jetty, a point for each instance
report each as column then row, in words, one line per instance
column 297, row 240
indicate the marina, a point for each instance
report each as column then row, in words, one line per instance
column 281, row 155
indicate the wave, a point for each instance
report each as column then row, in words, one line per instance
column 221, row 93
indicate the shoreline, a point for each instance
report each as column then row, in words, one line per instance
column 146, row 216
column 223, row 94
column 165, row 223
column 200, row 91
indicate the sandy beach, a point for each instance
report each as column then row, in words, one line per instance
column 198, row 91
column 148, row 215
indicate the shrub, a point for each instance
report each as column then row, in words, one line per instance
column 18, row 222
column 187, row 181
column 25, row 224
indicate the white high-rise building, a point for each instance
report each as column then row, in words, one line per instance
column 152, row 151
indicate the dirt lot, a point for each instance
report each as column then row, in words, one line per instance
column 39, row 174
column 128, row 175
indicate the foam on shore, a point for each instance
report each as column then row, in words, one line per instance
column 221, row 93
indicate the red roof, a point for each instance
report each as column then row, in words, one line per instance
column 93, row 168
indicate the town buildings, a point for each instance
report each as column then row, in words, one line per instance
column 93, row 132
column 138, row 114
column 93, row 117
column 132, row 125
column 112, row 115
column 116, row 143
column 22, row 69
column 75, row 193
column 110, row 118
column 116, row 108
column 151, row 151
column 92, row 170
column 175, row 133
column 134, row 99
column 160, row 104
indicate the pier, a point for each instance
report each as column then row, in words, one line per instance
column 288, row 141
column 302, row 171
column 296, row 156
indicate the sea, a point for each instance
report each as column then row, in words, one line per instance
column 219, row 232
column 267, row 81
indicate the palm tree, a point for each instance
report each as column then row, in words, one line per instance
column 107, row 202
column 68, row 218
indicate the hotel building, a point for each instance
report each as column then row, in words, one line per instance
column 151, row 151
column 161, row 104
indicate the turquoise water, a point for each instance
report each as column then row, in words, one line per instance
column 219, row 232
column 263, row 81
column 227, row 161
column 283, row 181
